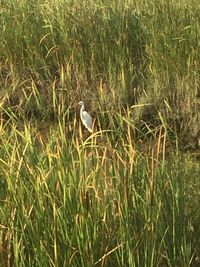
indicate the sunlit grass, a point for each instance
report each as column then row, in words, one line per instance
column 95, row 202
column 125, row 195
column 116, row 54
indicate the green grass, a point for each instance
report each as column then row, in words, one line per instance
column 95, row 203
column 127, row 195
column 116, row 53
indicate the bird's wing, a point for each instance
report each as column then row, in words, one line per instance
column 87, row 120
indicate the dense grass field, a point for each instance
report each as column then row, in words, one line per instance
column 128, row 194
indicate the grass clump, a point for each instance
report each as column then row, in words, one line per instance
column 119, row 53
column 95, row 203
column 126, row 195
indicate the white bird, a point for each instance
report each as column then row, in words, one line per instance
column 85, row 117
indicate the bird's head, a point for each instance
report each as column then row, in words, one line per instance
column 81, row 103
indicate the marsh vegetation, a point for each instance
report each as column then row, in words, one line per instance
column 128, row 194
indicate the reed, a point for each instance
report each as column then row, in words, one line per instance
column 125, row 195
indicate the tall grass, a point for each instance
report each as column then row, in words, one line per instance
column 119, row 53
column 95, row 202
column 125, row 195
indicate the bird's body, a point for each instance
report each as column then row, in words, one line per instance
column 85, row 117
